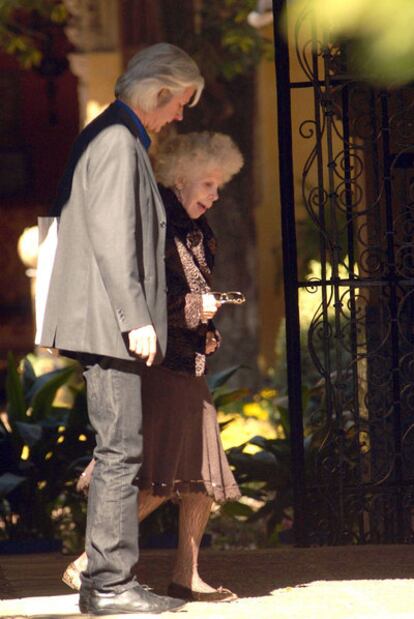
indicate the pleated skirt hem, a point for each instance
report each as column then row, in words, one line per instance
column 183, row 452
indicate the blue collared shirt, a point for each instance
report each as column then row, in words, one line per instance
column 142, row 133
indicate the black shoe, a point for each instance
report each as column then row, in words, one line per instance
column 135, row 600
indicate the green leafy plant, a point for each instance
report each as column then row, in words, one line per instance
column 222, row 395
column 262, row 466
column 43, row 446
column 20, row 36
column 217, row 35
column 230, row 44
column 264, row 475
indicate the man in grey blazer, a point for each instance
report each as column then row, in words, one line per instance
column 106, row 304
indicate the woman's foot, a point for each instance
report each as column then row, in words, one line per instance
column 193, row 582
column 195, row 509
column 212, row 595
column 71, row 576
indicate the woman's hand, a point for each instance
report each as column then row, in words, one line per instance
column 210, row 307
column 212, row 342
column 143, row 342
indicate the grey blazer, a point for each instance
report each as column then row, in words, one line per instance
column 108, row 275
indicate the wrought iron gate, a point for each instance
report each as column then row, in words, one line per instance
column 347, row 191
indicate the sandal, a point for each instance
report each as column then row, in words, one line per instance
column 71, row 577
column 219, row 595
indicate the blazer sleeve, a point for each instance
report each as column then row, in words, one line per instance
column 112, row 209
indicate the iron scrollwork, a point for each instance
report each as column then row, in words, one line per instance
column 357, row 199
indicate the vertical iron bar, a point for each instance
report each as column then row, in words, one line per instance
column 374, row 234
column 353, row 308
column 284, row 123
column 339, row 375
column 393, row 304
column 323, row 236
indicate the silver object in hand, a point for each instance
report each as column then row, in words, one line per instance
column 236, row 298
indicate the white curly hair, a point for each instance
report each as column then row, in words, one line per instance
column 160, row 67
column 184, row 156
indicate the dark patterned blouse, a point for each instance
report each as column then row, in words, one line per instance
column 189, row 258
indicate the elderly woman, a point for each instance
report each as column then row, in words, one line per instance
column 183, row 454
column 106, row 304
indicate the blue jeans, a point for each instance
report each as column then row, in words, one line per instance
column 115, row 412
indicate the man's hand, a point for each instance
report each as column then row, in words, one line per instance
column 143, row 342
column 210, row 307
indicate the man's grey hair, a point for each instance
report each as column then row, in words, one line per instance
column 160, row 67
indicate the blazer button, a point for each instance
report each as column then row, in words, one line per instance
column 163, row 224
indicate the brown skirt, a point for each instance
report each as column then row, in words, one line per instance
column 182, row 446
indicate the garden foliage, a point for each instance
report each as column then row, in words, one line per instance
column 43, row 447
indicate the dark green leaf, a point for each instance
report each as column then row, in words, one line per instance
column 280, row 448
column 254, row 493
column 30, row 433
column 9, row 482
column 264, row 457
column 277, row 447
column 44, row 379
column 28, row 377
column 255, row 467
column 16, row 407
column 224, row 424
column 44, row 395
column 58, row 416
column 260, row 441
column 263, row 511
column 284, row 421
column 234, row 509
column 232, row 396
column 220, row 378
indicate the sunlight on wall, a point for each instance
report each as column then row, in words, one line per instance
column 93, row 109
column 310, row 300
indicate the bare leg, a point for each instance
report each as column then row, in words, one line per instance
column 194, row 514
column 147, row 503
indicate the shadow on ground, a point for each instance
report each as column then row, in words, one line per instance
column 250, row 573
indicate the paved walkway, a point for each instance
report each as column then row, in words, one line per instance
column 317, row 583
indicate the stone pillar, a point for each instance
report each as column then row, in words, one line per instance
column 97, row 73
column 97, row 62
column 267, row 212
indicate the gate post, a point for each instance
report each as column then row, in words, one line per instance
column 290, row 274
